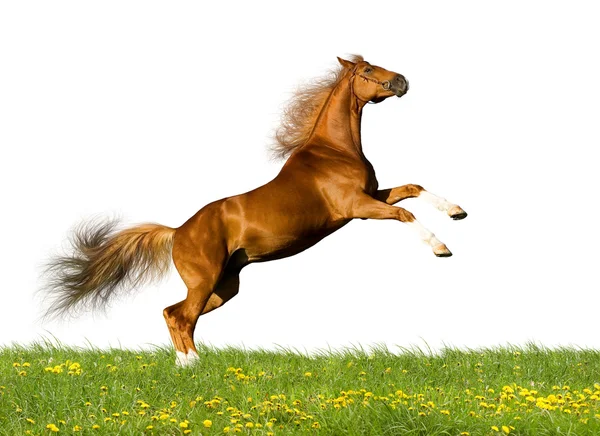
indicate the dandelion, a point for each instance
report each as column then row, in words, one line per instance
column 316, row 425
column 31, row 421
column 77, row 428
column 495, row 428
column 226, row 429
column 95, row 427
column 184, row 424
column 505, row 429
column 150, row 427
column 52, row 428
column 207, row 423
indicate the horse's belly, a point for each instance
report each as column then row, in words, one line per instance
column 274, row 246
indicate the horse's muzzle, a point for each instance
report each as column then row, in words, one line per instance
column 398, row 85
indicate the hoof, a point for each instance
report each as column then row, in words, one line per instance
column 456, row 213
column 441, row 251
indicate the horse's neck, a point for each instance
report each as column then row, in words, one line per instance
column 338, row 125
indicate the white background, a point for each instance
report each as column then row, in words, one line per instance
column 149, row 110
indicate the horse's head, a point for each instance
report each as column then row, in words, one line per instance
column 372, row 83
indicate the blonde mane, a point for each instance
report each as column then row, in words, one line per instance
column 302, row 110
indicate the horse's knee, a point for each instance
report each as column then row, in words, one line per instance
column 415, row 190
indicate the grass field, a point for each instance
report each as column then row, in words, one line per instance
column 531, row 391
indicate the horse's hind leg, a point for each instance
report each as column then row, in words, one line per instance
column 226, row 289
column 394, row 195
column 201, row 271
column 182, row 320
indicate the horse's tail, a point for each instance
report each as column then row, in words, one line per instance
column 105, row 259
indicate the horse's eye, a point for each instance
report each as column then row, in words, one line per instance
column 368, row 70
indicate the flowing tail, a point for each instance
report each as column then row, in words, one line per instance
column 105, row 259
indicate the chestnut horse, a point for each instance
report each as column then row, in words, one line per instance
column 325, row 183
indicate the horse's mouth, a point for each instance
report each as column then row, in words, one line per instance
column 400, row 90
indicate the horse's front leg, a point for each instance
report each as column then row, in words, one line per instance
column 366, row 207
column 394, row 195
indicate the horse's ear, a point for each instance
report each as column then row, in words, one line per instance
column 345, row 63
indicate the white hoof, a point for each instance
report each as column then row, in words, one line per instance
column 182, row 359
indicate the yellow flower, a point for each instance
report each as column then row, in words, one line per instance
column 95, row 427
column 505, row 429
column 226, row 429
column 16, row 365
column 76, row 428
column 316, row 425
column 249, row 425
column 465, row 433
column 308, row 374
column 445, row 412
column 53, row 428
column 30, row 420
column 495, row 428
column 207, row 423
column 26, row 365
column 183, row 424
column 150, row 427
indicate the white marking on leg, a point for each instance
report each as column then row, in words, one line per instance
column 181, row 358
column 425, row 235
column 188, row 359
column 437, row 202
column 453, row 210
column 192, row 356
column 439, row 248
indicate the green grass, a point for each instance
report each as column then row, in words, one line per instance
column 529, row 391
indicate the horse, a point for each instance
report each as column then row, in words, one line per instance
column 325, row 182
